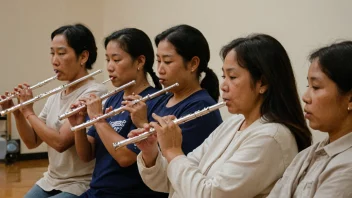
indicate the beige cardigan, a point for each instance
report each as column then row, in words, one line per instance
column 230, row 163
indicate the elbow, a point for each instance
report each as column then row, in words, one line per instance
column 30, row 145
column 125, row 162
column 60, row 147
column 85, row 159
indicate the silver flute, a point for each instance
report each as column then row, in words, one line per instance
column 40, row 84
column 49, row 93
column 103, row 97
column 105, row 81
column 182, row 120
column 119, row 110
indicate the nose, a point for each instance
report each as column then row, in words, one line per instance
column 55, row 60
column 110, row 66
column 306, row 97
column 160, row 68
column 224, row 86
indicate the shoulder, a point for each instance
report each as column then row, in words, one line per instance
column 198, row 100
column 114, row 99
column 277, row 131
column 342, row 160
column 148, row 90
column 277, row 134
column 94, row 86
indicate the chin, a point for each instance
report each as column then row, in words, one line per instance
column 116, row 84
column 232, row 111
column 61, row 78
column 314, row 125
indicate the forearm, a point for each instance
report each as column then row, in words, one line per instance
column 83, row 146
column 149, row 159
column 108, row 136
column 50, row 136
column 28, row 136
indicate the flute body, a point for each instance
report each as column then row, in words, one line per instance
column 49, row 93
column 179, row 121
column 119, row 110
column 40, row 84
column 103, row 97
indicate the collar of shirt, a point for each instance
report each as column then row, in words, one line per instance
column 336, row 147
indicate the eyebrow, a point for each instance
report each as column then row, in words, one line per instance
column 228, row 69
column 313, row 78
column 115, row 54
column 59, row 48
column 165, row 56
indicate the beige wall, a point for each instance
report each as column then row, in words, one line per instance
column 25, row 41
column 299, row 25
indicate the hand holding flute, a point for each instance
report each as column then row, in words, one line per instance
column 181, row 120
column 40, row 84
column 49, row 93
column 121, row 109
column 168, row 135
column 81, row 105
column 92, row 106
column 23, row 92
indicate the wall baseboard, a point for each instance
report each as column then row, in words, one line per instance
column 33, row 156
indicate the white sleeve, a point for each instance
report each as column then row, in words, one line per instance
column 154, row 177
column 256, row 165
column 196, row 155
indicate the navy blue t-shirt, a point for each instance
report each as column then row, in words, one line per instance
column 109, row 178
column 194, row 132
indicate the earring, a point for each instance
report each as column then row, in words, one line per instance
column 138, row 69
column 261, row 91
column 81, row 64
column 348, row 108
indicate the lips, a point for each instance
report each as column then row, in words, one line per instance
column 161, row 80
column 112, row 77
column 225, row 100
column 307, row 114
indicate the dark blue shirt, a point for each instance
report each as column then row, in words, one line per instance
column 195, row 131
column 109, row 178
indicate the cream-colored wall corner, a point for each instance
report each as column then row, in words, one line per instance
column 25, row 42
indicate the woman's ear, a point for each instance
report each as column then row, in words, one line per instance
column 84, row 57
column 349, row 107
column 140, row 61
column 262, row 85
column 194, row 63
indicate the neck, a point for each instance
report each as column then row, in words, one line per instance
column 344, row 128
column 251, row 117
column 182, row 93
column 140, row 85
column 76, row 86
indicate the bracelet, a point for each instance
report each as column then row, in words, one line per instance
column 29, row 115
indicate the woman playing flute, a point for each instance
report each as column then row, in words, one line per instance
column 129, row 56
column 182, row 56
column 324, row 170
column 73, row 52
column 247, row 153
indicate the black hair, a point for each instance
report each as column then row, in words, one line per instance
column 80, row 38
column 190, row 42
column 136, row 43
column 336, row 62
column 267, row 60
